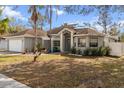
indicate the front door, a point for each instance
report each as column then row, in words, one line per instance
column 67, row 44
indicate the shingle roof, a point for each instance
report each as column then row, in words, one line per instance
column 30, row 32
column 58, row 29
column 87, row 31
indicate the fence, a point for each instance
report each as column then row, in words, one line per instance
column 117, row 48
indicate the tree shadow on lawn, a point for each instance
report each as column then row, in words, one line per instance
column 87, row 57
column 67, row 73
column 74, row 56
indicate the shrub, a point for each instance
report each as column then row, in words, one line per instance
column 56, row 49
column 73, row 50
column 39, row 47
column 101, row 51
column 79, row 51
column 87, row 52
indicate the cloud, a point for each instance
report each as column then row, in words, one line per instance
column 59, row 12
column 9, row 12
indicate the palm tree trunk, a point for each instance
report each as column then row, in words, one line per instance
column 50, row 24
column 35, row 30
column 35, row 46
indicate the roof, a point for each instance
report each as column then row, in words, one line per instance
column 30, row 33
column 87, row 31
column 58, row 29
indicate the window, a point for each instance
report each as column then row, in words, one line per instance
column 56, row 43
column 81, row 42
column 56, row 46
column 93, row 42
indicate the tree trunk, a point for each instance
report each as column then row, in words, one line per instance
column 35, row 46
column 50, row 24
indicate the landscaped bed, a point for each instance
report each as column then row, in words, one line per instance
column 64, row 71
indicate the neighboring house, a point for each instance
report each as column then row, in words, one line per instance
column 66, row 37
column 25, row 40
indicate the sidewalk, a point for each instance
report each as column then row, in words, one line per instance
column 6, row 82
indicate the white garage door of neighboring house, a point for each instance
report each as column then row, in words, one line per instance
column 15, row 45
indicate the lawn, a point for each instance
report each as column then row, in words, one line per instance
column 64, row 71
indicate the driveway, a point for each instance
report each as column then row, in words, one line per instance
column 6, row 82
column 9, row 53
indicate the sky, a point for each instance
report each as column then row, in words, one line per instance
column 22, row 16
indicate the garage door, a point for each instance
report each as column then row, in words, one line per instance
column 15, row 45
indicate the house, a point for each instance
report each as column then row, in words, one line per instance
column 3, row 44
column 25, row 40
column 65, row 37
column 62, row 39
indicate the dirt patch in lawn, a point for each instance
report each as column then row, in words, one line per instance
column 69, row 72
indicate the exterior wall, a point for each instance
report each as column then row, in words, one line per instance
column 81, row 48
column 3, row 44
column 46, row 44
column 30, row 42
column 117, row 49
column 100, row 43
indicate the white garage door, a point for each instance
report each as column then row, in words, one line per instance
column 15, row 45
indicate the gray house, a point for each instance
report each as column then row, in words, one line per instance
column 25, row 40
column 60, row 39
column 66, row 37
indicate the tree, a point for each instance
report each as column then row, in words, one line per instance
column 79, row 9
column 49, row 16
column 4, row 26
column 122, row 37
column 104, row 17
column 4, row 23
column 114, row 29
column 35, row 14
column 103, row 11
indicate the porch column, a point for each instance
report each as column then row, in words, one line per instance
column 76, row 42
column 51, row 45
column 87, row 42
column 71, row 40
column 61, row 42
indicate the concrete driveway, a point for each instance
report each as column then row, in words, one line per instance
column 6, row 82
column 9, row 53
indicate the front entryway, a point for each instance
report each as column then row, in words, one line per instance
column 67, row 42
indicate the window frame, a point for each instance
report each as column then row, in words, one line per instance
column 81, row 44
column 93, row 43
column 55, row 44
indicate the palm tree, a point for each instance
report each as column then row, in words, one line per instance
column 35, row 16
column 49, row 15
column 4, row 23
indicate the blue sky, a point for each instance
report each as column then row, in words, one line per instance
column 21, row 14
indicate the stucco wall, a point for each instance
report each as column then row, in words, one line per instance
column 3, row 44
column 30, row 42
column 46, row 44
column 100, row 43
